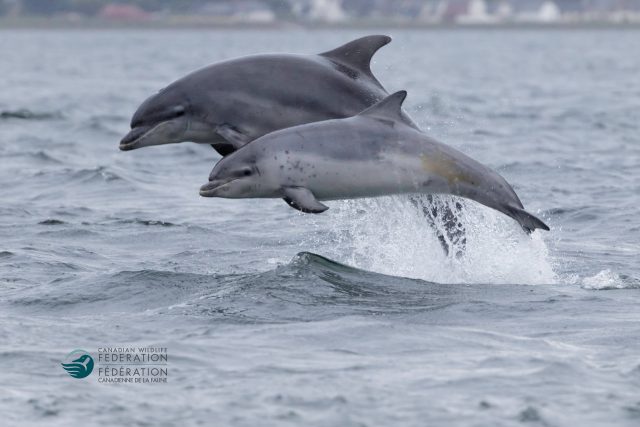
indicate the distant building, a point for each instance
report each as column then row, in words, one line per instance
column 430, row 12
column 549, row 12
column 477, row 13
column 250, row 11
column 123, row 12
column 503, row 10
column 451, row 10
column 319, row 10
column 327, row 11
column 541, row 11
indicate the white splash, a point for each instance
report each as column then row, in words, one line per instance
column 606, row 279
column 391, row 235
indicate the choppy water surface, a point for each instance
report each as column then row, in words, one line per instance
column 350, row 318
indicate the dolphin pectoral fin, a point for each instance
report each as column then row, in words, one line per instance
column 302, row 199
column 223, row 149
column 232, row 136
column 527, row 221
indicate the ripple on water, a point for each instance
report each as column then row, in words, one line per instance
column 52, row 221
column 82, row 176
column 146, row 222
column 25, row 114
column 40, row 156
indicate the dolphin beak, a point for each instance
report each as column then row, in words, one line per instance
column 166, row 132
column 214, row 187
column 129, row 141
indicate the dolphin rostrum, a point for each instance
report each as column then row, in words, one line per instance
column 231, row 103
column 375, row 153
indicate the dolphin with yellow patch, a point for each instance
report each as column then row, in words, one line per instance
column 378, row 152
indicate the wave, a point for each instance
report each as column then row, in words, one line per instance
column 310, row 287
column 25, row 114
column 39, row 156
column 83, row 175
column 147, row 222
column 52, row 221
column 283, row 293
column 99, row 173
column 609, row 280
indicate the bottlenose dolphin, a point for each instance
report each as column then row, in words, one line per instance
column 231, row 103
column 375, row 153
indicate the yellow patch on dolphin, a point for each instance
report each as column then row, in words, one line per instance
column 444, row 167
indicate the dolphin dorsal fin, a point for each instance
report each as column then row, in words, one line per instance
column 390, row 108
column 357, row 54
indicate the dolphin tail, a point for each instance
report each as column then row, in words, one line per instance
column 527, row 221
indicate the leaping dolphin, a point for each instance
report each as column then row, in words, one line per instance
column 375, row 153
column 231, row 103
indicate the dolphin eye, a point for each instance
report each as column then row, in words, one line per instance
column 178, row 111
column 246, row 171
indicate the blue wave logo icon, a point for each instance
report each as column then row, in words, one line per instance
column 78, row 364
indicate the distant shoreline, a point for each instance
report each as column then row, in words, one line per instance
column 178, row 23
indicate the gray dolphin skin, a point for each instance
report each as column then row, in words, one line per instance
column 375, row 153
column 231, row 103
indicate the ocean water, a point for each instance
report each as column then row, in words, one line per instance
column 350, row 318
